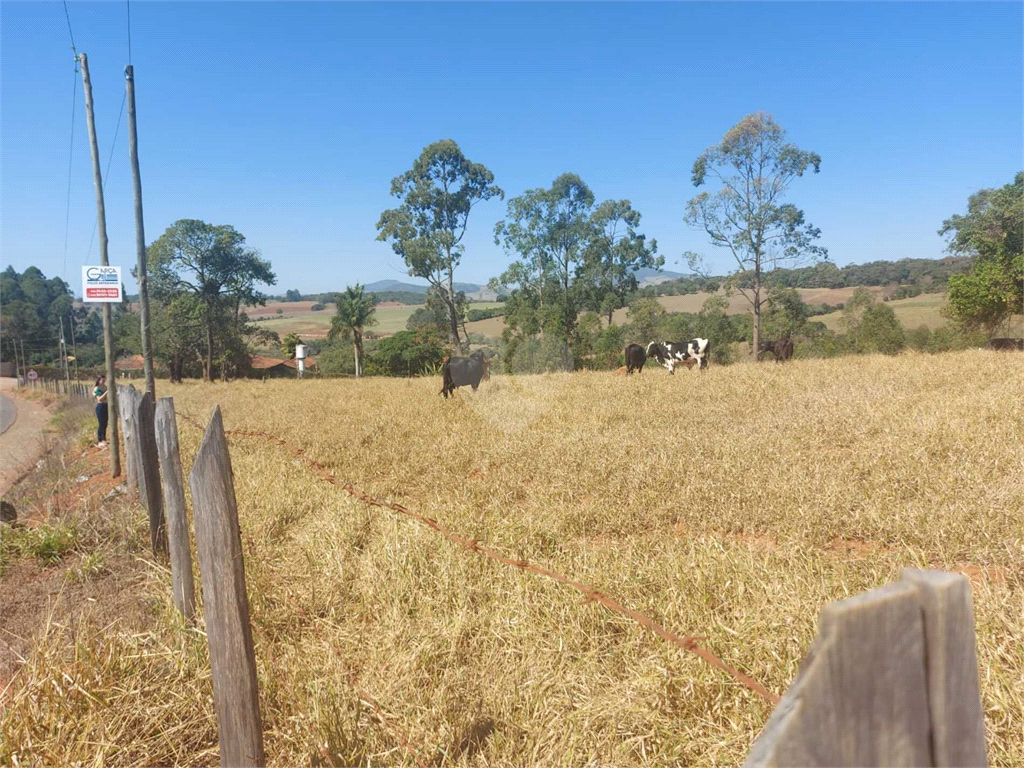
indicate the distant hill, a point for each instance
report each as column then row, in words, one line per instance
column 397, row 285
column 927, row 275
column 477, row 292
column 648, row 276
column 474, row 291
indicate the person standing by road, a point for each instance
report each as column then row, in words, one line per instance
column 99, row 394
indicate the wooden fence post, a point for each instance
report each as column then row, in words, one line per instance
column 166, row 429
column 891, row 680
column 225, row 603
column 149, row 472
column 954, row 698
column 126, row 417
column 124, row 400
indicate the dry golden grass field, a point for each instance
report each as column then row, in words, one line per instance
column 730, row 505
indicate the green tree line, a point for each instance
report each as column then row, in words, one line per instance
column 573, row 262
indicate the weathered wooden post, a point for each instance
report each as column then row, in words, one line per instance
column 149, row 472
column 126, row 415
column 225, row 603
column 954, row 696
column 891, row 680
column 166, row 428
column 121, row 416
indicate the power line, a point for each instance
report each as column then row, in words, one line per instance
column 71, row 157
column 110, row 157
column 70, row 33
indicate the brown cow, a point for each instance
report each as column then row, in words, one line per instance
column 460, row 371
column 635, row 358
column 782, row 349
column 1011, row 344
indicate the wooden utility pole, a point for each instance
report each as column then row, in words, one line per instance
column 17, row 365
column 101, row 217
column 74, row 347
column 140, row 234
column 64, row 354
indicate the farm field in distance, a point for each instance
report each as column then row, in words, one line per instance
column 927, row 309
column 798, row 485
column 297, row 317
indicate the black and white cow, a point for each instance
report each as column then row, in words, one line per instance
column 460, row 371
column 672, row 353
column 635, row 358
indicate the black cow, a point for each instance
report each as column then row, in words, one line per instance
column 782, row 349
column 635, row 358
column 460, row 371
column 689, row 353
column 1012, row 344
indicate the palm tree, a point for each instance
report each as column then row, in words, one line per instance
column 354, row 312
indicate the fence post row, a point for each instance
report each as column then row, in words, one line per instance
column 225, row 603
column 891, row 679
column 149, row 471
column 166, row 429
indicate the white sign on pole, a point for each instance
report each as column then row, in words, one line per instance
column 101, row 284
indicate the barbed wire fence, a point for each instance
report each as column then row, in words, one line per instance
column 906, row 650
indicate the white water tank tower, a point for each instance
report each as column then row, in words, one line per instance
column 300, row 358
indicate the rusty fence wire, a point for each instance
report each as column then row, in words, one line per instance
column 686, row 642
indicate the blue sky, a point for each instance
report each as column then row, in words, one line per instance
column 288, row 120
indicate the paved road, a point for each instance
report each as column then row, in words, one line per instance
column 8, row 413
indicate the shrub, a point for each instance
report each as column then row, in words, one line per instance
column 879, row 331
column 47, row 543
column 920, row 338
column 645, row 315
column 952, row 338
column 482, row 314
column 608, row 348
column 336, row 360
column 407, row 353
column 816, row 340
column 537, row 354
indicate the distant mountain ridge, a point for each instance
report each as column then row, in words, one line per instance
column 397, row 285
column 908, row 271
column 482, row 292
column 647, row 276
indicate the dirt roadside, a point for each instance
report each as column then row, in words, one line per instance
column 73, row 556
column 22, row 445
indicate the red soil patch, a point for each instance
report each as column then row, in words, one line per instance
column 991, row 574
column 853, row 549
